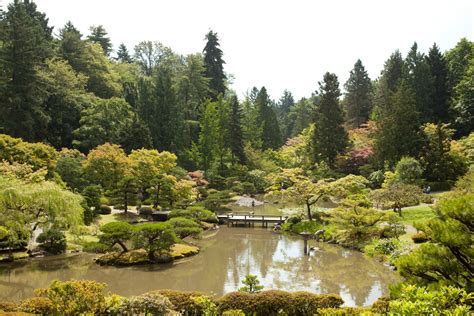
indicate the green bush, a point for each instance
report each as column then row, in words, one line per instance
column 447, row 300
column 420, row 237
column 37, row 305
column 151, row 303
column 95, row 247
column 198, row 213
column 275, row 302
column 237, row 188
column 52, row 241
column 75, row 297
column 183, row 301
column 305, row 303
column 381, row 306
column 215, row 201
column 104, row 210
column 376, row 179
column 248, row 188
column 184, row 226
column 408, row 170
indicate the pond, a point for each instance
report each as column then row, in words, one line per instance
column 227, row 255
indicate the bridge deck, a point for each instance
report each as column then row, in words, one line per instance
column 250, row 220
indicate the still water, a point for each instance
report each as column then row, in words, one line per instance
column 227, row 255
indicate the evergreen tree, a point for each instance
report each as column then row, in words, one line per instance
column 301, row 114
column 236, row 140
column 136, row 136
column 330, row 137
column 26, row 43
column 417, row 74
column 398, row 128
column 266, row 118
column 286, row 120
column 250, row 125
column 358, row 98
column 209, row 134
column 123, row 55
column 439, row 73
column 99, row 35
column 165, row 121
column 214, row 65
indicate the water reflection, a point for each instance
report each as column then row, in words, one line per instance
column 226, row 257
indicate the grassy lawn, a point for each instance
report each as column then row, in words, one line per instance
column 417, row 213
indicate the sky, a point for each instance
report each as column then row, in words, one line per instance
column 277, row 44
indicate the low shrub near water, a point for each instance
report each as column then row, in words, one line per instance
column 274, row 302
column 52, row 241
column 183, row 301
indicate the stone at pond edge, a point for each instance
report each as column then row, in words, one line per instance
column 140, row 257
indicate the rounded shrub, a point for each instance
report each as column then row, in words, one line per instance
column 184, row 226
column 104, row 210
column 420, row 237
column 305, row 303
column 151, row 303
column 182, row 301
column 52, row 241
column 95, row 247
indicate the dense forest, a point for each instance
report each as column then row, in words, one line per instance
column 85, row 125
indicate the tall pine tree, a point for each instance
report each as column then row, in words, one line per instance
column 266, row 118
column 235, row 131
column 99, row 36
column 417, row 74
column 358, row 98
column 330, row 137
column 214, row 65
column 439, row 74
column 123, row 55
column 286, row 120
column 26, row 43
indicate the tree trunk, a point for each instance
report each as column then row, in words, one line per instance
column 124, row 248
column 308, row 207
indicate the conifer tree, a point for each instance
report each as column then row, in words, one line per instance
column 209, row 134
column 286, row 120
column 358, row 98
column 266, row 118
column 99, row 35
column 25, row 44
column 439, row 73
column 398, row 128
column 214, row 65
column 235, row 131
column 123, row 55
column 417, row 74
column 330, row 137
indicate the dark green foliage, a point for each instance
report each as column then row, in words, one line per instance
column 446, row 258
column 236, row 139
column 185, row 226
column 70, row 169
column 197, row 213
column 26, row 43
column 123, row 55
column 439, row 73
column 417, row 76
column 398, row 127
column 267, row 121
column 125, row 193
column 155, row 238
column 358, row 98
column 215, row 201
column 330, row 137
column 136, row 135
column 104, row 210
column 99, row 36
column 52, row 241
column 251, row 284
column 214, row 65
column 408, row 171
column 286, row 118
column 95, row 247
column 116, row 233
column 302, row 113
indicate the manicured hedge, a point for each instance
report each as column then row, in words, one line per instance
column 274, row 301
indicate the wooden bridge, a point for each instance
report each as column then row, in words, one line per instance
column 250, row 220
